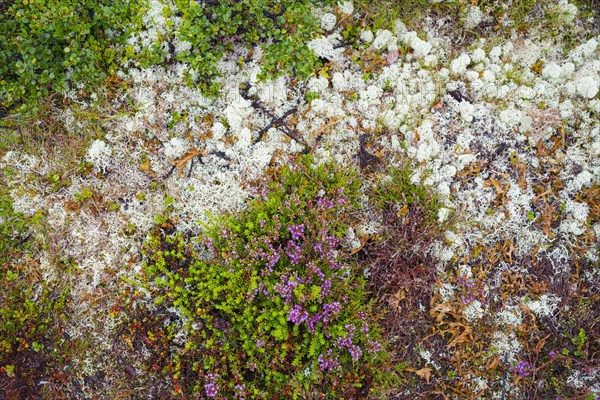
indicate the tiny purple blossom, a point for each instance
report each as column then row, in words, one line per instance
column 315, row 270
column 211, row 386
column 332, row 241
column 351, row 329
column 286, row 289
column 355, row 352
column 523, row 368
column 272, row 260
column 328, row 362
column 318, row 248
column 294, row 252
column 325, row 204
column 239, row 390
column 342, row 200
column 314, row 320
column 297, row 315
column 326, row 288
column 374, row 346
column 332, row 309
column 297, row 231
column 365, row 327
column 209, row 243
column 343, row 342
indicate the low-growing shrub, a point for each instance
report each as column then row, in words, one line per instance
column 281, row 27
column 52, row 46
column 278, row 310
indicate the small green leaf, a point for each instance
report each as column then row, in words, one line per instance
column 37, row 346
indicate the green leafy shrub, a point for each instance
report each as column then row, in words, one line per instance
column 28, row 309
column 51, row 45
column 283, row 27
column 278, row 311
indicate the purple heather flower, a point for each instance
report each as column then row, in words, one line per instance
column 329, row 310
column 325, row 204
column 209, row 243
column 284, row 291
column 297, row 315
column 262, row 288
column 374, row 346
column 311, row 266
column 326, row 288
column 355, row 352
column 211, row 386
column 351, row 329
column 342, row 200
column 211, row 389
column 467, row 299
column 343, row 342
column 553, row 354
column 297, row 231
column 332, row 309
column 318, row 248
column 240, row 388
column 286, row 288
column 260, row 343
column 365, row 327
column 523, row 368
column 252, row 366
column 272, row 260
column 294, row 252
column 332, row 241
column 313, row 321
column 328, row 362
column 468, row 287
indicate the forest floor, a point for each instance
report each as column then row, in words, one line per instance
column 495, row 109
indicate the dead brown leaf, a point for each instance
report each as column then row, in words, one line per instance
column 322, row 129
column 424, row 373
column 182, row 161
column 145, row 167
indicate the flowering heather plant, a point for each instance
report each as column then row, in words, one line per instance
column 280, row 315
